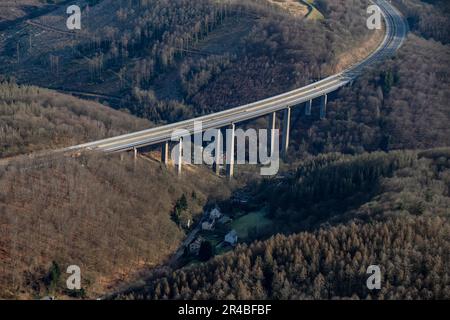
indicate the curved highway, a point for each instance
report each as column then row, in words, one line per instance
column 396, row 30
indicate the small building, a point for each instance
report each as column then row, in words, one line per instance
column 208, row 225
column 194, row 246
column 224, row 220
column 231, row 237
column 215, row 214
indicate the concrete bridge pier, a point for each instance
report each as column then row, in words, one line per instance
column 197, row 149
column 286, row 130
column 218, row 159
column 135, row 153
column 272, row 125
column 323, row 106
column 308, row 106
column 165, row 153
column 230, row 150
column 179, row 155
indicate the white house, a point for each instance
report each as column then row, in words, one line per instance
column 231, row 237
column 225, row 219
column 215, row 214
column 194, row 247
column 208, row 225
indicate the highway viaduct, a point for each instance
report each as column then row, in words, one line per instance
column 396, row 30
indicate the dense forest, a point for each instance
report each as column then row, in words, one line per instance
column 335, row 188
column 413, row 253
column 427, row 17
column 403, row 227
column 109, row 216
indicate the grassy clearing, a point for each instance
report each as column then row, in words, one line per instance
column 314, row 13
column 255, row 219
column 294, row 7
column 212, row 237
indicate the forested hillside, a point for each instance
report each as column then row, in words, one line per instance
column 337, row 213
column 110, row 217
column 113, row 218
column 427, row 17
column 284, row 52
column 401, row 104
column 334, row 188
column 400, row 223
column 13, row 10
column 35, row 119
column 413, row 253
column 368, row 185
column 169, row 60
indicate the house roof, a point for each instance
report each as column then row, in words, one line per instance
column 198, row 240
column 232, row 233
column 215, row 211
